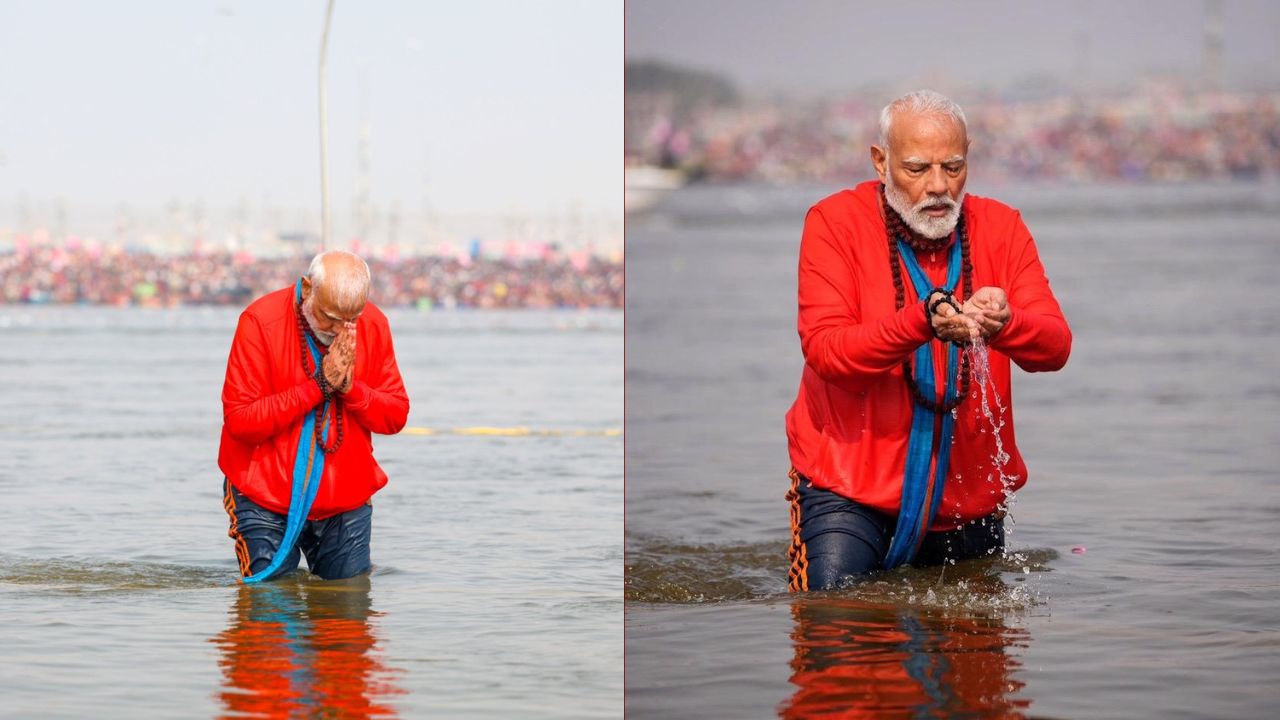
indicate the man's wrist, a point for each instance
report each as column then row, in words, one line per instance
column 932, row 301
column 356, row 395
column 322, row 382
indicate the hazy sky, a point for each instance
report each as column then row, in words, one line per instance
column 815, row 45
column 487, row 105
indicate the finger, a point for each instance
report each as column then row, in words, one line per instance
column 988, row 313
column 956, row 327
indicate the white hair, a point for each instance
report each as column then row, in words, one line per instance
column 921, row 102
column 349, row 289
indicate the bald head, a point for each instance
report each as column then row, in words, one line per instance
column 341, row 279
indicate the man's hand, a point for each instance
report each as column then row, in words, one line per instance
column 989, row 308
column 340, row 363
column 950, row 324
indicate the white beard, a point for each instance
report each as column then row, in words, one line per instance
column 307, row 312
column 916, row 218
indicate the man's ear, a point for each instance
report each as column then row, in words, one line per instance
column 878, row 158
column 306, row 287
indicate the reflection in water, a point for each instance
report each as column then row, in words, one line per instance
column 855, row 658
column 297, row 649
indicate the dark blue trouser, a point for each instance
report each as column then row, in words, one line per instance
column 842, row 539
column 336, row 547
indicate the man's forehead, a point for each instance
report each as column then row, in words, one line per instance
column 326, row 305
column 341, row 316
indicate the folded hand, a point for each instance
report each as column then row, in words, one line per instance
column 340, row 362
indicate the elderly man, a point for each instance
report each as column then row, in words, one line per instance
column 300, row 400
column 893, row 459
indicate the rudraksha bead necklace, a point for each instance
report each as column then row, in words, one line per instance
column 897, row 228
column 326, row 389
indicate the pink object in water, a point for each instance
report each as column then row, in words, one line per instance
column 1078, row 550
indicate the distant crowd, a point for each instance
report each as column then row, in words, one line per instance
column 1157, row 134
column 90, row 275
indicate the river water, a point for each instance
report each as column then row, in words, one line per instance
column 1143, row 574
column 498, row 558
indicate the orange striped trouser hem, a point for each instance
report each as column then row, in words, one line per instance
column 798, row 573
column 242, row 548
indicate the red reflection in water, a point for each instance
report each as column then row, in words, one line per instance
column 296, row 650
column 859, row 660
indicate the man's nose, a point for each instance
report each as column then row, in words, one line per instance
column 935, row 181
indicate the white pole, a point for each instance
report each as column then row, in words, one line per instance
column 324, row 138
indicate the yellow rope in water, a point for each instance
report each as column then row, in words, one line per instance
column 512, row 432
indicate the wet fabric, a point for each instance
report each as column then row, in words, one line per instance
column 308, row 463
column 843, row 539
column 924, row 479
column 336, row 547
column 849, row 427
column 267, row 396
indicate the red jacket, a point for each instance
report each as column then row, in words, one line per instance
column 266, row 395
column 848, row 428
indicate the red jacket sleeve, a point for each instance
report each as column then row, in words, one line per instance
column 379, row 401
column 1036, row 337
column 251, row 413
column 839, row 347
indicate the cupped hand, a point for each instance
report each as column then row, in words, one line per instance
column 989, row 308
column 952, row 325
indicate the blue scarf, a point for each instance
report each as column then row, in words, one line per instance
column 308, row 467
column 915, row 514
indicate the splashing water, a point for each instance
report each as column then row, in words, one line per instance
column 980, row 364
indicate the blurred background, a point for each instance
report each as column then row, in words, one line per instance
column 1141, row 142
column 1087, row 92
column 147, row 144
